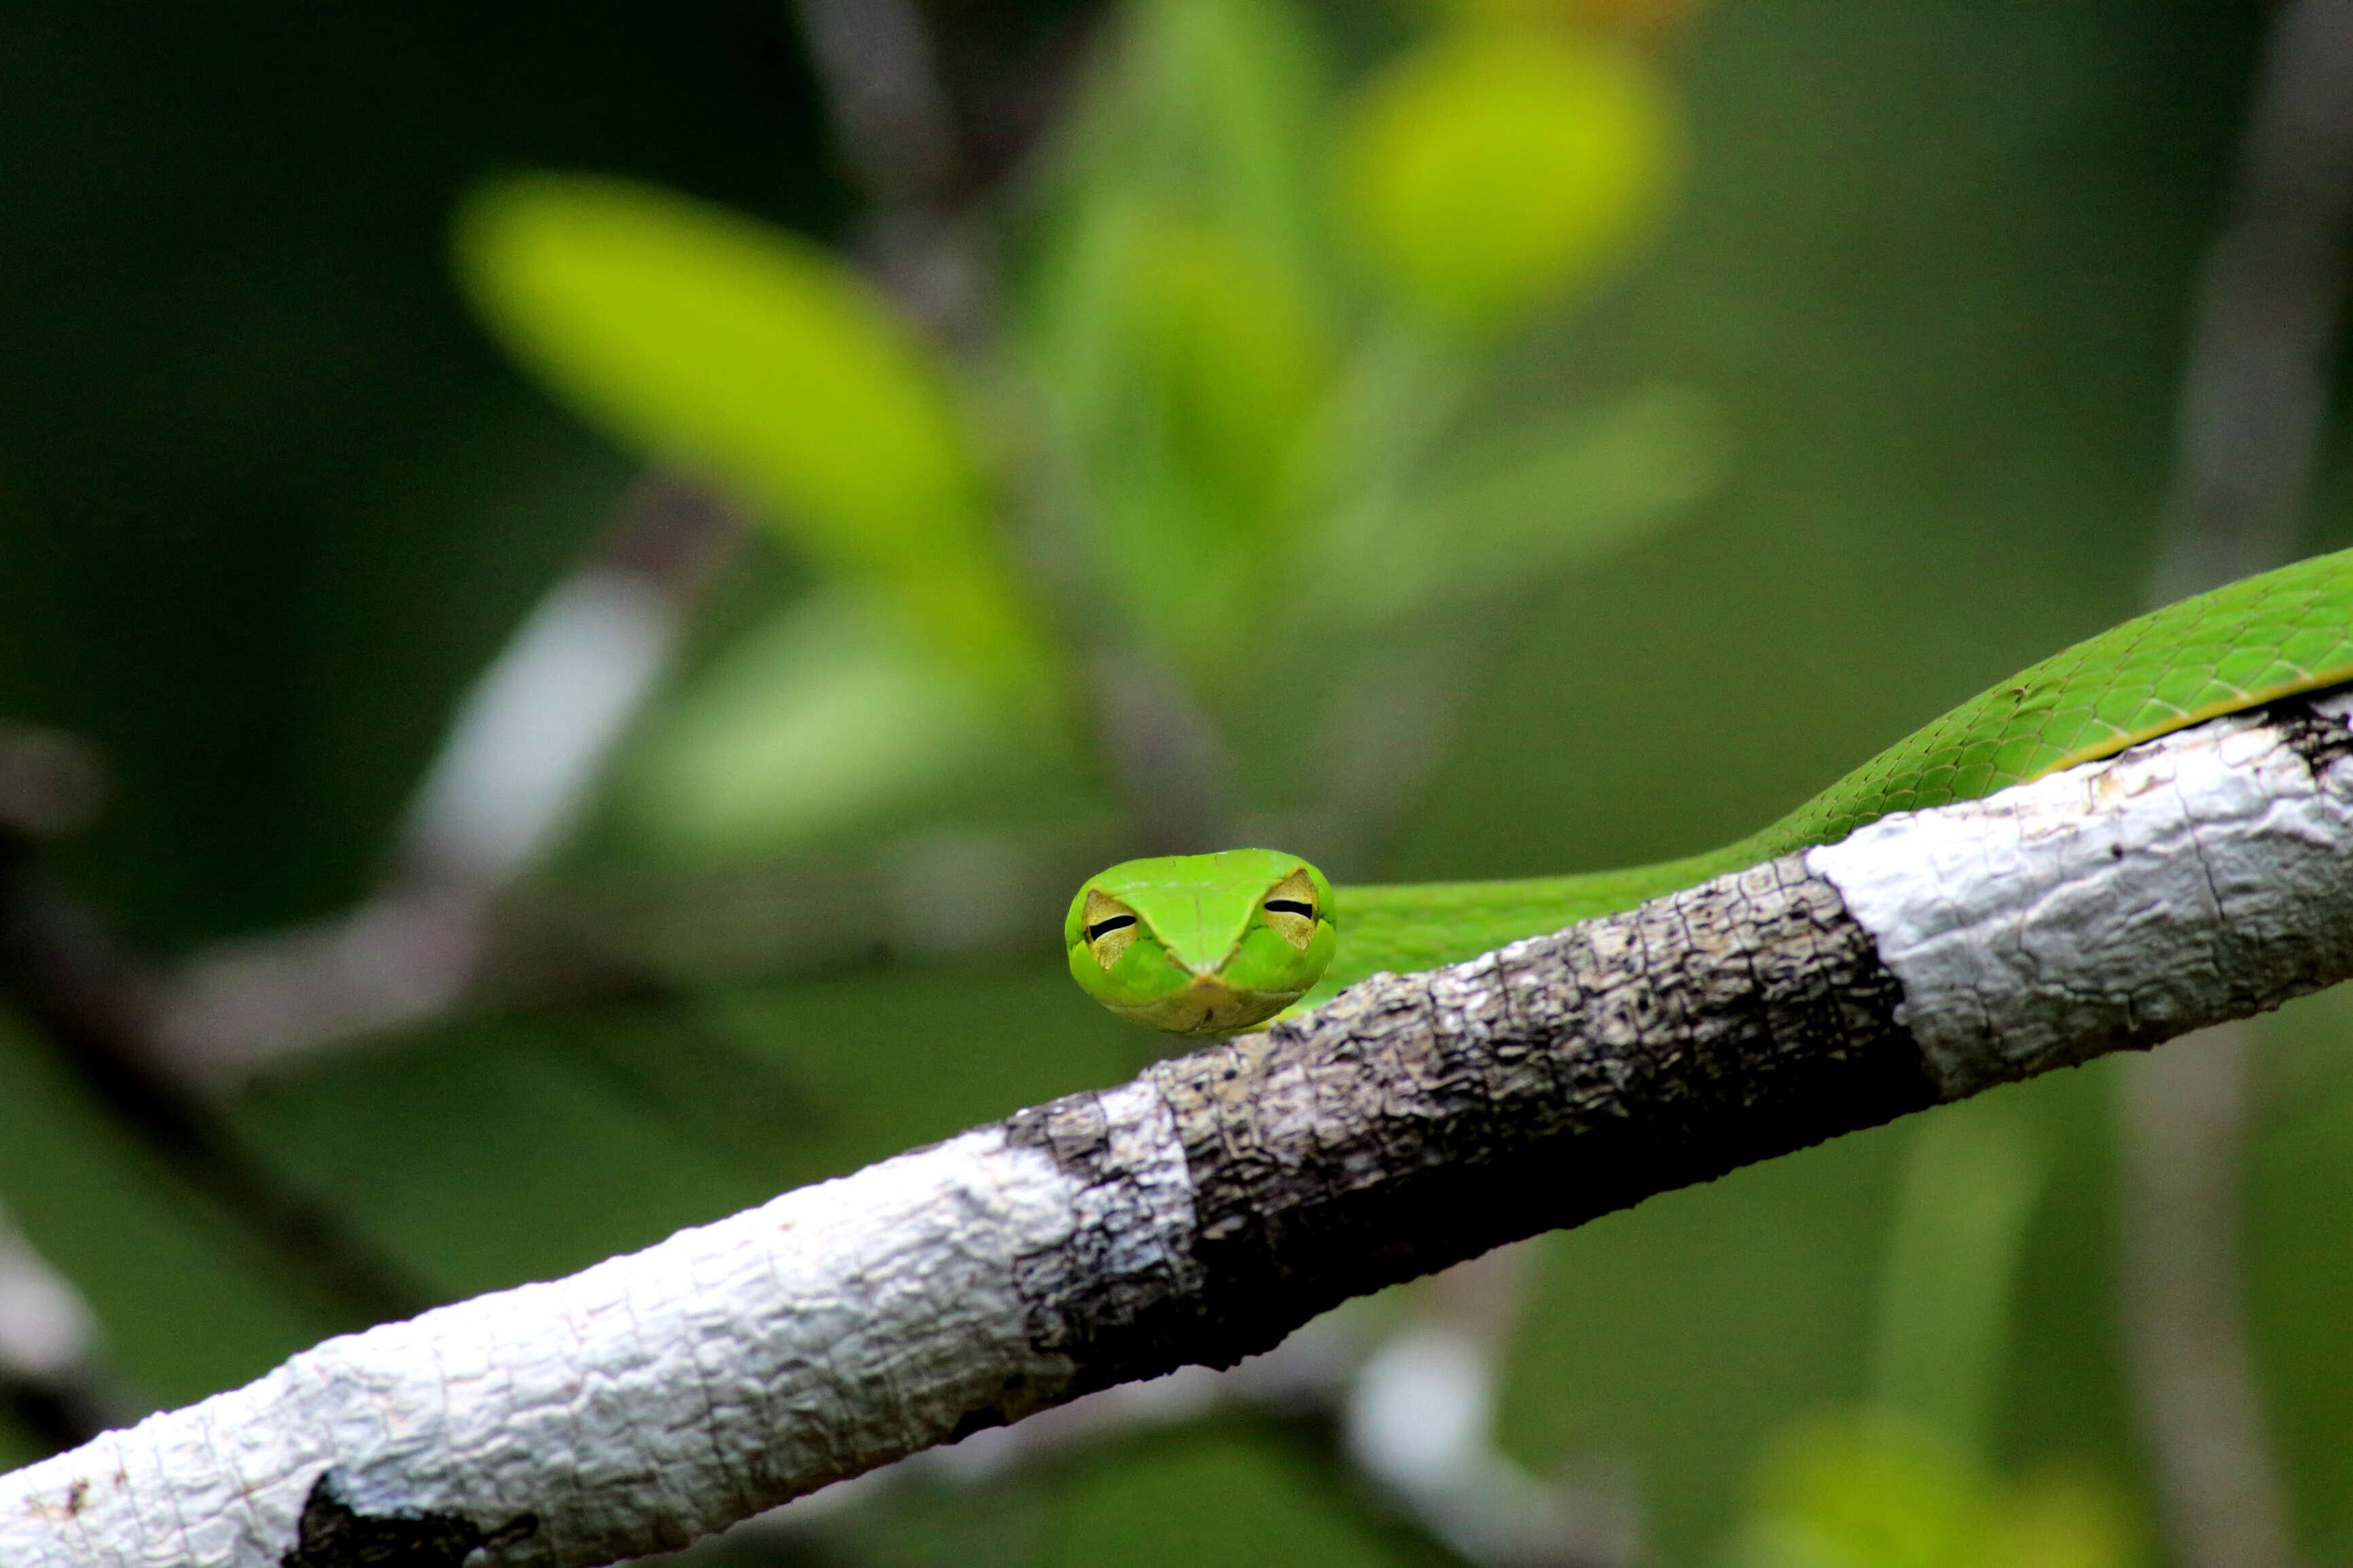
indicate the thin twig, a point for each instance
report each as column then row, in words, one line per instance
column 2254, row 392
column 2184, row 1114
column 2254, row 385
column 894, row 126
column 88, row 1000
column 522, row 755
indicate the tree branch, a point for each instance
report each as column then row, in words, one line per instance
column 1205, row 1209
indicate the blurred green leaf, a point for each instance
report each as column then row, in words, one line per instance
column 1186, row 369
column 728, row 347
column 1179, row 316
column 827, row 719
column 1211, row 107
column 1236, row 356
column 1517, row 507
column 1865, row 1493
column 1873, row 1491
column 2062, row 1520
column 1178, row 347
column 1498, row 168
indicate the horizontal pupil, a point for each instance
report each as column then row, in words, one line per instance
column 1098, row 931
column 1289, row 907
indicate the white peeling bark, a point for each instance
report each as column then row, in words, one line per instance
column 631, row 1407
column 2202, row 877
column 1201, row 1212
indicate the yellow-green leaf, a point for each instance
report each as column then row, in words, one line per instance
column 718, row 343
column 1496, row 169
column 704, row 338
column 826, row 719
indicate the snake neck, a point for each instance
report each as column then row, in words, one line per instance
column 1407, row 926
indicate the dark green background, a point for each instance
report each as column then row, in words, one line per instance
column 268, row 499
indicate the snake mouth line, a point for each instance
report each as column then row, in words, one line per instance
column 1207, row 1006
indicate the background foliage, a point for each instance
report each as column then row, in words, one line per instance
column 1842, row 387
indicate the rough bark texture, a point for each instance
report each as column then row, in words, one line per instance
column 2201, row 878
column 1204, row 1210
column 1422, row 1119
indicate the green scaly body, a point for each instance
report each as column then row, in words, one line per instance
column 2239, row 646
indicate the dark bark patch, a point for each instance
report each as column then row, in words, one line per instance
column 1422, row 1120
column 1072, row 1131
column 1099, row 1298
column 2320, row 739
column 333, row 1535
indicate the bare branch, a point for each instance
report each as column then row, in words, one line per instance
column 522, row 755
column 1203, row 1211
column 1408, row 1420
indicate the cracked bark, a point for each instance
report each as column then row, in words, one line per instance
column 1420, row 1121
column 1200, row 1212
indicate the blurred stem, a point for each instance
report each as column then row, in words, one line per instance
column 1396, row 397
column 1420, row 1422
column 1969, row 1186
column 1167, row 755
column 90, row 1003
column 2184, row 1115
column 1382, row 737
column 894, row 128
column 1386, row 727
column 2254, row 396
column 2254, row 386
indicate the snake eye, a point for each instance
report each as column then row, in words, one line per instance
column 1290, row 908
column 1109, row 928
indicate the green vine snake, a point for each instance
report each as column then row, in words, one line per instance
column 1208, row 944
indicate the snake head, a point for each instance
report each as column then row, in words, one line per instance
column 1202, row 944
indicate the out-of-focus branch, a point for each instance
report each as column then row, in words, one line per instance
column 1420, row 1421
column 896, row 128
column 1167, row 757
column 521, row 757
column 2255, row 393
column 52, row 784
column 892, row 122
column 55, row 1377
column 2184, row 1113
column 91, row 1003
column 2255, row 383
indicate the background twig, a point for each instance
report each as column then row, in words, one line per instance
column 2254, row 392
